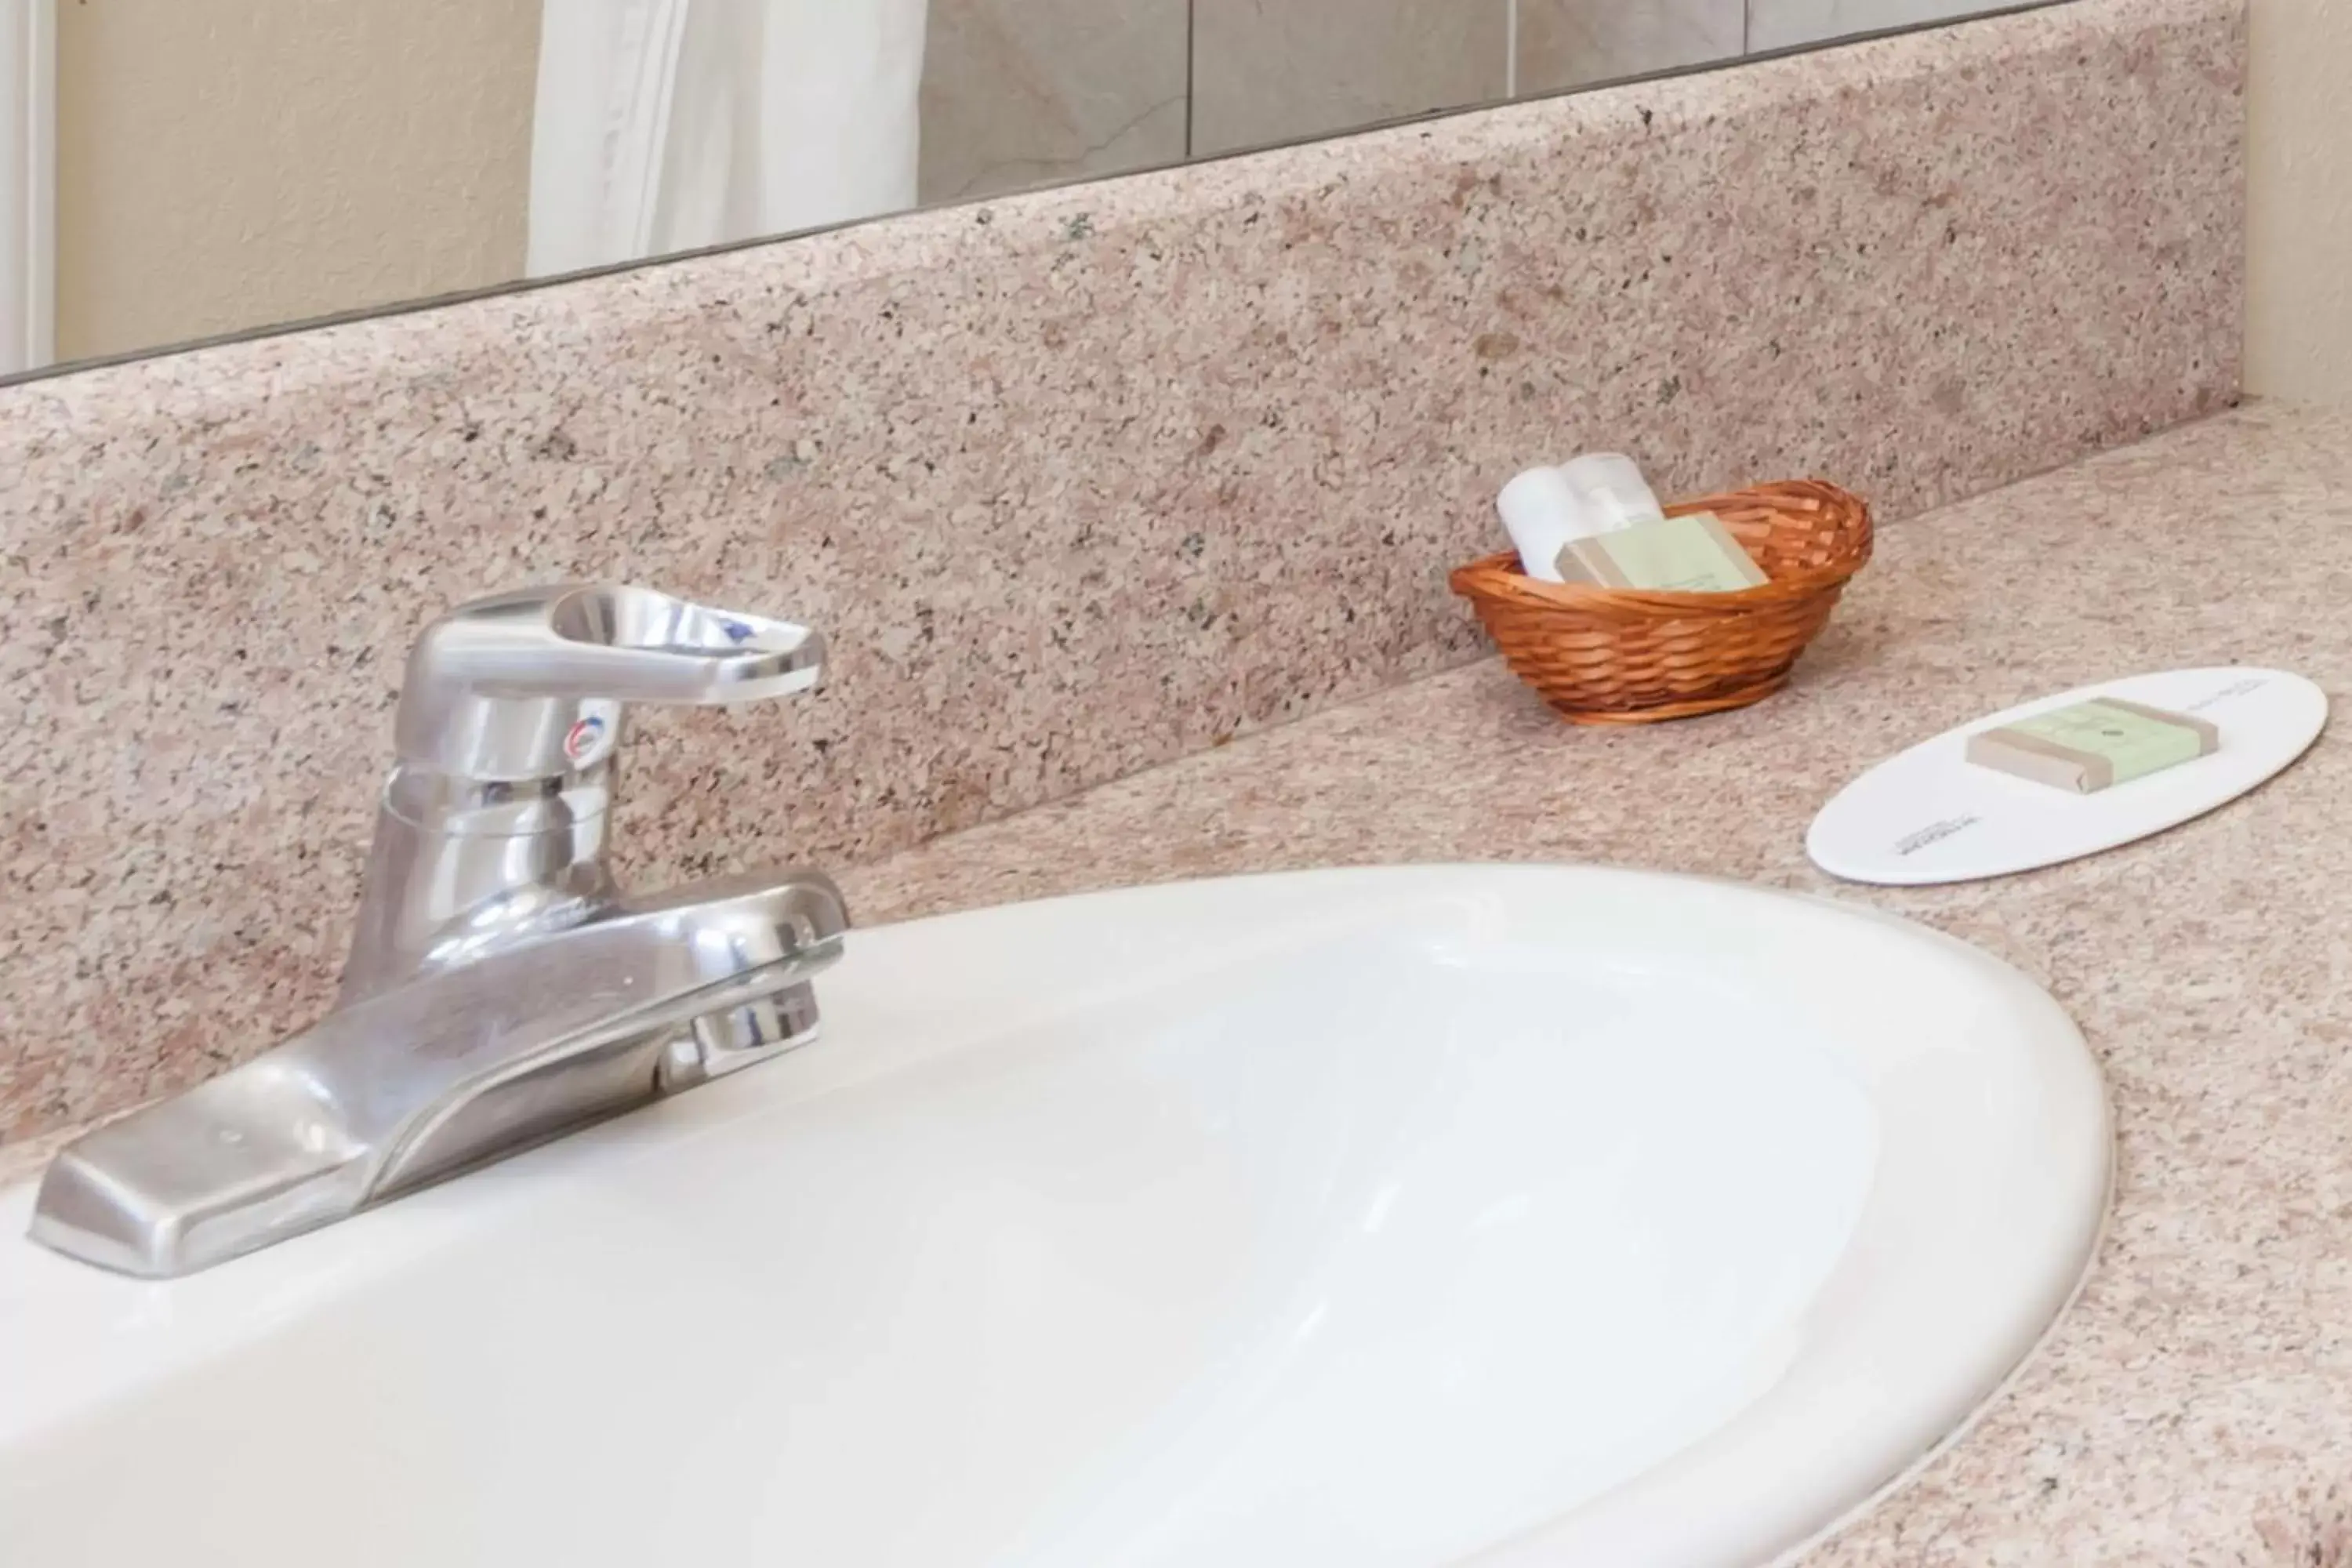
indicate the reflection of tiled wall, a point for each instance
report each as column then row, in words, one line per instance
column 1567, row 43
column 1024, row 92
column 1271, row 71
column 1778, row 24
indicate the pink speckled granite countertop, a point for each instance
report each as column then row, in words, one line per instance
column 1075, row 483
column 2196, row 1407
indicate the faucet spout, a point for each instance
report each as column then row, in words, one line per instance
column 406, row 1086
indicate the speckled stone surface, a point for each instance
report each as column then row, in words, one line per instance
column 2196, row 1406
column 1079, row 482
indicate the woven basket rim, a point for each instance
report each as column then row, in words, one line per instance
column 1499, row 576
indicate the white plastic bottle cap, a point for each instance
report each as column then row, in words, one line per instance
column 1608, row 490
column 1540, row 509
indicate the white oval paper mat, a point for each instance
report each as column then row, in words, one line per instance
column 1928, row 814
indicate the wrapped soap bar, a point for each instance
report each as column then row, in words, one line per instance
column 1694, row 554
column 2089, row 746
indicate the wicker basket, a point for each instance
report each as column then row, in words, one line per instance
column 1603, row 655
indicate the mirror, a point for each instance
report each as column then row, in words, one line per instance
column 177, row 170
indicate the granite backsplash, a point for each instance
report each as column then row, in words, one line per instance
column 1077, row 482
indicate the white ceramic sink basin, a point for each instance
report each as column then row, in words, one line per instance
column 1393, row 1218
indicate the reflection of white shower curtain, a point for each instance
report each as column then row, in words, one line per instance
column 661, row 126
column 28, row 139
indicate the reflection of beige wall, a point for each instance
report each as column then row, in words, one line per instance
column 227, row 165
column 2299, row 202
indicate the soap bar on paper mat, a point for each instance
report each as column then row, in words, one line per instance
column 2089, row 746
column 1694, row 554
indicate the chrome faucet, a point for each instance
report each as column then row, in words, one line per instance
column 500, row 990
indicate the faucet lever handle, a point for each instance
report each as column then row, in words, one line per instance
column 529, row 684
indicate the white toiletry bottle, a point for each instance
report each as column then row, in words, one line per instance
column 1540, row 509
column 1609, row 492
column 1545, row 508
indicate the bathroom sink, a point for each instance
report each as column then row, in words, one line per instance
column 1403, row 1216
